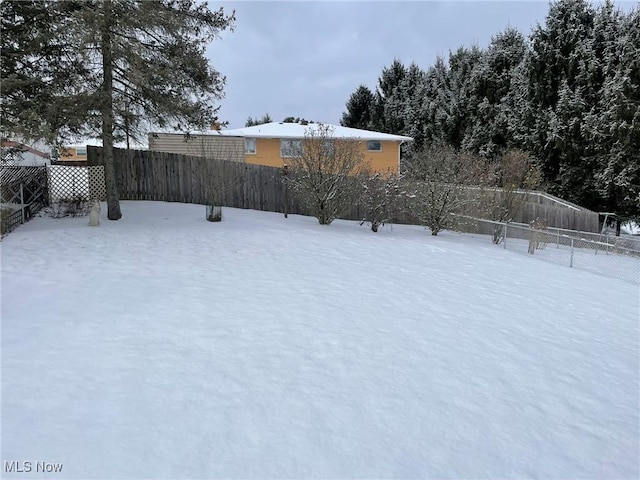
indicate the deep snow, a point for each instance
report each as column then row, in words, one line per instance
column 166, row 346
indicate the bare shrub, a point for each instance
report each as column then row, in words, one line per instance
column 324, row 172
column 69, row 207
column 513, row 176
column 537, row 235
column 437, row 181
column 379, row 198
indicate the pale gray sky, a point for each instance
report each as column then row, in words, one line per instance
column 305, row 59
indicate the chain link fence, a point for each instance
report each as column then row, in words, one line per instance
column 616, row 257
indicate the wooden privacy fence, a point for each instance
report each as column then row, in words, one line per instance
column 170, row 177
column 555, row 211
column 559, row 216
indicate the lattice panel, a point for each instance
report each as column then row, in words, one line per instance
column 86, row 183
column 16, row 174
column 97, row 187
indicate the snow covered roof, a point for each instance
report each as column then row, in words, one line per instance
column 297, row 130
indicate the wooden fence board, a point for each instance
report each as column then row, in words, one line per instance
column 150, row 175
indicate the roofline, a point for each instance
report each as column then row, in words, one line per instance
column 222, row 133
column 396, row 138
column 267, row 131
column 27, row 148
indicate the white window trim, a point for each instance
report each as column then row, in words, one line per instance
column 81, row 151
column 255, row 146
column 370, row 150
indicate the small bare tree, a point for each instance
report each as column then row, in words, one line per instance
column 537, row 235
column 515, row 174
column 379, row 198
column 437, row 186
column 324, row 172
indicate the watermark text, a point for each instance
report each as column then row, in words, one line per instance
column 28, row 467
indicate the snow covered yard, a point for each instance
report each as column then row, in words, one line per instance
column 165, row 346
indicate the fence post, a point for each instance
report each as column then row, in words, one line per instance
column 505, row 237
column 22, row 201
column 46, row 199
column 571, row 260
column 285, row 172
column 557, row 238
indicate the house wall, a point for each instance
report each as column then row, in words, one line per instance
column 268, row 153
column 386, row 161
column 30, row 156
column 30, row 159
column 69, row 155
column 210, row 146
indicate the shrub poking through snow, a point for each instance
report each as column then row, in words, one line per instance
column 69, row 207
column 378, row 198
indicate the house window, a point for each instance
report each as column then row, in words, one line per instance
column 374, row 145
column 328, row 148
column 290, row 148
column 81, row 151
column 250, row 145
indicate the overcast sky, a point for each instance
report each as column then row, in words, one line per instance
column 302, row 58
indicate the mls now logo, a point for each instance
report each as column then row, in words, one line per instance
column 27, row 467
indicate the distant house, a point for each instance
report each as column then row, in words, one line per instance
column 199, row 145
column 273, row 143
column 21, row 154
column 72, row 155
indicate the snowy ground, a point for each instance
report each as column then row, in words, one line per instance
column 585, row 257
column 165, row 346
column 631, row 228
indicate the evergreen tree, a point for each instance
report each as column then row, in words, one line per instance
column 141, row 60
column 388, row 117
column 560, row 86
column 518, row 109
column 411, row 95
column 258, row 121
column 568, row 95
column 360, row 109
column 444, row 101
column 436, row 105
column 491, row 82
column 463, row 104
column 615, row 128
column 300, row 120
column 39, row 67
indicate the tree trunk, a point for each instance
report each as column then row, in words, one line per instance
column 113, row 204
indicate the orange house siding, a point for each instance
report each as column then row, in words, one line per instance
column 70, row 154
column 268, row 153
column 386, row 161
